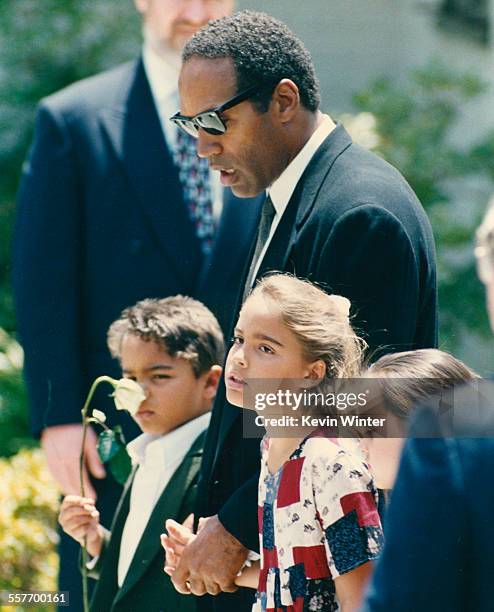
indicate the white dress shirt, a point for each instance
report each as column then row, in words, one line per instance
column 283, row 187
column 162, row 70
column 157, row 457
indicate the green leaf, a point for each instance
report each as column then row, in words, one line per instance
column 120, row 466
column 108, row 445
column 112, row 451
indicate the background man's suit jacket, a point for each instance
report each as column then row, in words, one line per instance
column 101, row 223
column 146, row 586
column 354, row 225
column 439, row 554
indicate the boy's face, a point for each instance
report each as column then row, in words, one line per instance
column 173, row 393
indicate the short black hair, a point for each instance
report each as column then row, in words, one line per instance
column 263, row 50
column 184, row 327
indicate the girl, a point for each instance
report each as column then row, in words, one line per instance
column 318, row 522
column 405, row 379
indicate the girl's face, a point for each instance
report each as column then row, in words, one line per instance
column 263, row 350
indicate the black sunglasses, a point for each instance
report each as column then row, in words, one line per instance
column 210, row 120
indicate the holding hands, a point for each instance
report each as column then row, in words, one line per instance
column 206, row 562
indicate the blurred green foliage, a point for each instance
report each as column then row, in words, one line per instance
column 29, row 503
column 415, row 119
column 14, row 420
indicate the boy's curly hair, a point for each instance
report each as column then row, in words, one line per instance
column 183, row 326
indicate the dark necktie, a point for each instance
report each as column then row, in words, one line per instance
column 194, row 177
column 267, row 215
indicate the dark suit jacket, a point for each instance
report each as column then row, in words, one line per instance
column 439, row 555
column 146, row 586
column 353, row 224
column 101, row 223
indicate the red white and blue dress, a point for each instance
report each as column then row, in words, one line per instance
column 318, row 520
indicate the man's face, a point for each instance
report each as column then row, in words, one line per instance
column 249, row 154
column 173, row 22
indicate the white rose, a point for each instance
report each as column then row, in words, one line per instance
column 128, row 395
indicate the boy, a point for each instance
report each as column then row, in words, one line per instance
column 172, row 348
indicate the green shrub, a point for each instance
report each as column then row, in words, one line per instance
column 28, row 536
column 414, row 122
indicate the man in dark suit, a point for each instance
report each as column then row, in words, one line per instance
column 335, row 213
column 106, row 218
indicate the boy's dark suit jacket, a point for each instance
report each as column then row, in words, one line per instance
column 146, row 586
column 354, row 225
column 439, row 554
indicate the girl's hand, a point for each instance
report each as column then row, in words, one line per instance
column 174, row 543
column 80, row 520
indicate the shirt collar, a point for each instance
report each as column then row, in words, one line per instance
column 283, row 187
column 162, row 70
column 170, row 447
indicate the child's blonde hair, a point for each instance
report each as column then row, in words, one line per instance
column 320, row 322
column 412, row 376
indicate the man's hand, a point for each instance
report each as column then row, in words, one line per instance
column 62, row 446
column 210, row 562
column 80, row 519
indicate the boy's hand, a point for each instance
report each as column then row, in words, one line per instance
column 80, row 519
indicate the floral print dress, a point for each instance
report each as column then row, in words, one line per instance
column 318, row 520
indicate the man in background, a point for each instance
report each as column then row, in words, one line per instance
column 114, row 206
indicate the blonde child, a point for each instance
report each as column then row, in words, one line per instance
column 318, row 522
column 405, row 379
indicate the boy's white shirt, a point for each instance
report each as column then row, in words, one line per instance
column 158, row 457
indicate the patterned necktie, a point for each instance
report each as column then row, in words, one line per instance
column 195, row 180
column 267, row 215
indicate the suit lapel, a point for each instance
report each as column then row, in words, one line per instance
column 107, row 585
column 279, row 256
column 135, row 132
column 168, row 506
